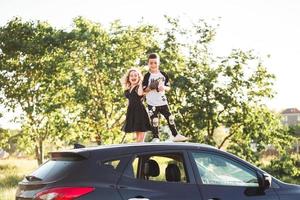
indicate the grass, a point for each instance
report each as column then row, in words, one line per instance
column 11, row 172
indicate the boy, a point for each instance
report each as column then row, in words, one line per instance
column 155, row 84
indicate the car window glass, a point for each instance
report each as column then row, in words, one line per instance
column 165, row 168
column 53, row 170
column 135, row 167
column 218, row 170
column 112, row 164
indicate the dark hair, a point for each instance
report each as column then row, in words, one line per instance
column 153, row 56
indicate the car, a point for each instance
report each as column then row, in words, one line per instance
column 151, row 171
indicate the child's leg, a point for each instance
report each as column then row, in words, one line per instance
column 165, row 111
column 140, row 136
column 153, row 113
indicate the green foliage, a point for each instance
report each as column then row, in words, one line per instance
column 4, row 137
column 10, row 141
column 295, row 130
column 31, row 65
column 260, row 129
column 212, row 92
column 67, row 84
column 100, row 57
column 286, row 168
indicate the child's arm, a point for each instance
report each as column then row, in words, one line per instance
column 140, row 91
column 145, row 84
column 164, row 88
column 147, row 89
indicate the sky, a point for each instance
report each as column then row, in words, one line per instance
column 270, row 27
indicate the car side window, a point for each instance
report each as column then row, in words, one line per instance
column 159, row 167
column 218, row 170
column 111, row 164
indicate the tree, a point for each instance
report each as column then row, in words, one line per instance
column 99, row 58
column 261, row 129
column 209, row 92
column 4, row 137
column 68, row 83
column 286, row 168
column 31, row 68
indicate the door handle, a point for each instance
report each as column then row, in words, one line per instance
column 142, row 198
column 214, row 199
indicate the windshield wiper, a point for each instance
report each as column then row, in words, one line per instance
column 33, row 178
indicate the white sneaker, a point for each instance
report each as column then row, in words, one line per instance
column 180, row 138
column 155, row 140
column 170, row 139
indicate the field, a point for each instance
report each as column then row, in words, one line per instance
column 11, row 172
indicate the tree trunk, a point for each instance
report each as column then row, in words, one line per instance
column 209, row 139
column 98, row 138
column 41, row 146
column 39, row 152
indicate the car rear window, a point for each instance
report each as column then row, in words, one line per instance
column 52, row 170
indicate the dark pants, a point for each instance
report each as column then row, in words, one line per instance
column 154, row 111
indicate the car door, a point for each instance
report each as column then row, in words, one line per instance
column 159, row 176
column 221, row 177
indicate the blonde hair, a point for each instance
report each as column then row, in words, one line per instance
column 125, row 79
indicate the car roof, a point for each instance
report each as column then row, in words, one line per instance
column 140, row 147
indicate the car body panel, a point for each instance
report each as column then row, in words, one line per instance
column 113, row 184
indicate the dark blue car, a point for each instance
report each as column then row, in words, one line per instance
column 154, row 171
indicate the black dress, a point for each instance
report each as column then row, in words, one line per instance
column 137, row 119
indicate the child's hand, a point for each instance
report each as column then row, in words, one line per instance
column 153, row 85
column 161, row 88
column 140, row 82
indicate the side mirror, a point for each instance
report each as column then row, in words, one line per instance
column 264, row 180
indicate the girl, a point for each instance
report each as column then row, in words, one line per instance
column 137, row 119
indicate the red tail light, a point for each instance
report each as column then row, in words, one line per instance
column 63, row 193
